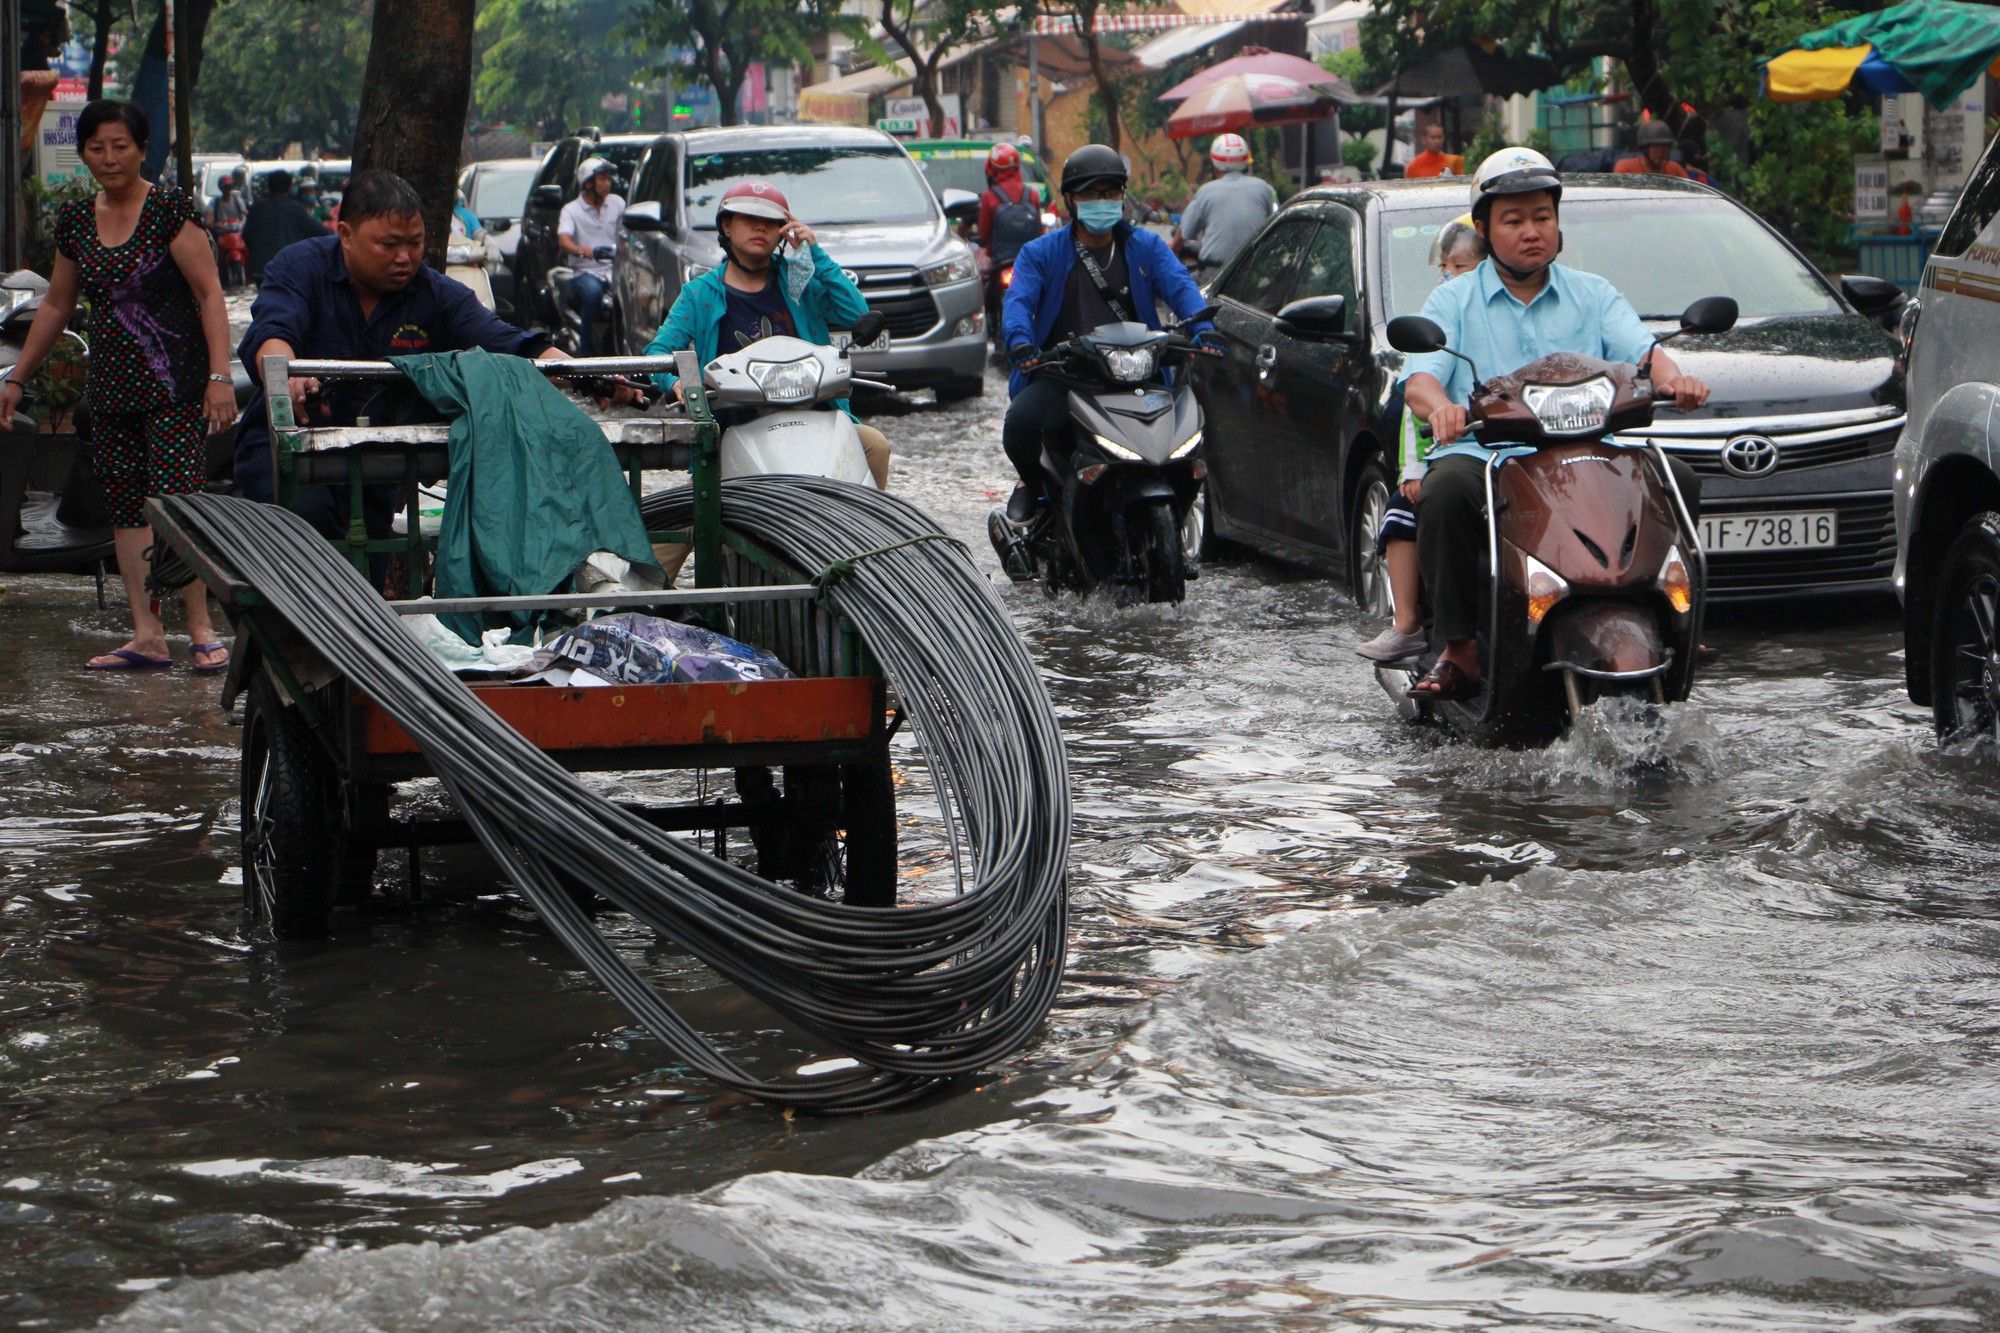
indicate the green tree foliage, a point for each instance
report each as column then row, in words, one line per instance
column 276, row 72
column 551, row 60
column 726, row 37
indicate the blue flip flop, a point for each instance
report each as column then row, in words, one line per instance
column 213, row 668
column 130, row 659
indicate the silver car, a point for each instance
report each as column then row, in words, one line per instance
column 496, row 190
column 872, row 212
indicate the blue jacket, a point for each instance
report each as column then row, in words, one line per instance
column 1041, row 277
column 696, row 319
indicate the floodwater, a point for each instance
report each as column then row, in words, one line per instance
column 1679, row 1026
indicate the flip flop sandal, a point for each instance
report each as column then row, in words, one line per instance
column 1444, row 683
column 213, row 668
column 129, row 659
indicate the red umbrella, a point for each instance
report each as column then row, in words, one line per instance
column 1260, row 60
column 1241, row 101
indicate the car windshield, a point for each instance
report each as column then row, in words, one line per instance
column 1662, row 253
column 501, row 192
column 964, row 169
column 825, row 186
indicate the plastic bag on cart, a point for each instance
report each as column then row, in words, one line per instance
column 635, row 649
column 492, row 655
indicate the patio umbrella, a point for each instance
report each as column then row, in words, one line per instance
column 1935, row 47
column 1243, row 101
column 1260, row 60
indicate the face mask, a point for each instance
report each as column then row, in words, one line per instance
column 1100, row 215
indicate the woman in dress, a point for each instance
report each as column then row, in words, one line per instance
column 159, row 358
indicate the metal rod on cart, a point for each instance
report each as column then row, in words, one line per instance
column 564, row 368
column 783, row 592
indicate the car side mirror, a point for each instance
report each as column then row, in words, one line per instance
column 960, row 205
column 498, row 225
column 1711, row 314
column 644, row 217
column 1868, row 294
column 1315, row 319
column 868, row 328
column 1415, row 334
column 549, row 196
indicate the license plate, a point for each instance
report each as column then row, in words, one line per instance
column 841, row 338
column 1723, row 533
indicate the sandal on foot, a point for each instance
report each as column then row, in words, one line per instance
column 1444, row 683
column 211, row 668
column 127, row 659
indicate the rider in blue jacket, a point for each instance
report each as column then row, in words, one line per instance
column 1098, row 270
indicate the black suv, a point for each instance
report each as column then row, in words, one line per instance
column 1794, row 446
column 555, row 185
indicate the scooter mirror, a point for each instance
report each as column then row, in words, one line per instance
column 1414, row 333
column 960, row 205
column 868, row 328
column 1711, row 314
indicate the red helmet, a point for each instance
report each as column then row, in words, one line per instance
column 753, row 199
column 1003, row 160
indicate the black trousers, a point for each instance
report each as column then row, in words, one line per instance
column 1040, row 409
column 1451, row 538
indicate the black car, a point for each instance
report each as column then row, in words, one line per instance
column 1794, row 446
column 555, row 185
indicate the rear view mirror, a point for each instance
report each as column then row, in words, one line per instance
column 1315, row 319
column 960, row 205
column 1870, row 295
column 867, row 329
column 1415, row 334
column 549, row 196
column 644, row 217
column 1711, row 314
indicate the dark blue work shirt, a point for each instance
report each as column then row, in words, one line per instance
column 307, row 300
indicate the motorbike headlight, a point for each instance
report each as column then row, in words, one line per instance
column 1571, row 409
column 959, row 268
column 786, row 381
column 12, row 299
column 1129, row 365
column 459, row 254
column 1545, row 589
column 1115, row 449
column 1675, row 583
column 1192, row 443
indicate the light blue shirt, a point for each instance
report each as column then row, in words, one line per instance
column 1575, row 312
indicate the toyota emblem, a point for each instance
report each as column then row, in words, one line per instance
column 851, row 276
column 1750, row 456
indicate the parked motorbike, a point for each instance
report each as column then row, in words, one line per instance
column 1597, row 579
column 472, row 262
column 1122, row 508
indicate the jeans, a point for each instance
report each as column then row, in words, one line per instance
column 586, row 292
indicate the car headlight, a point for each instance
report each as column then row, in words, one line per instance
column 1128, row 365
column 1545, row 589
column 786, row 381
column 1192, row 443
column 1675, row 583
column 1115, row 449
column 958, row 268
column 1571, row 409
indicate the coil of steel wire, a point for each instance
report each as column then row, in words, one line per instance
column 920, row 995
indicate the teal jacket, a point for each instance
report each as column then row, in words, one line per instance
column 696, row 319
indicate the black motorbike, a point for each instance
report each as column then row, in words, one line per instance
column 1123, row 487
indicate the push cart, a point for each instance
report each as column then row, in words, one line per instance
column 813, row 785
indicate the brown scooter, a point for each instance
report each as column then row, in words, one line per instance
column 1599, row 583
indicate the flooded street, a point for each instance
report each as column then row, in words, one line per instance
column 1689, row 1026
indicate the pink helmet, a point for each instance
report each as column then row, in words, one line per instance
column 754, row 199
column 1229, row 152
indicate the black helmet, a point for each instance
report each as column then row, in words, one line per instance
column 1091, row 164
column 1655, row 131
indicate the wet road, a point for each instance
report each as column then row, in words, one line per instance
column 1679, row 1027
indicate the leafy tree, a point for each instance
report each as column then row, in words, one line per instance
column 1087, row 13
column 550, row 59
column 726, row 37
column 927, row 30
column 279, row 71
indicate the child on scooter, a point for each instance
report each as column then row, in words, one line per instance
column 1458, row 250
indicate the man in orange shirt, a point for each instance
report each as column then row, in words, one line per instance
column 1656, row 146
column 1434, row 161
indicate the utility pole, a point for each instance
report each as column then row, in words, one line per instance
column 13, row 240
column 1032, row 15
column 180, row 97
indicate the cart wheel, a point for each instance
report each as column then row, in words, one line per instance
column 868, row 823
column 838, row 833
column 290, row 834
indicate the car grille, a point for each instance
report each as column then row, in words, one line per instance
column 902, row 298
column 1866, row 553
column 1707, row 459
column 1817, row 439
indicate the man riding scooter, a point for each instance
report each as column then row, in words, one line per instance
column 1097, row 270
column 762, row 290
column 588, row 233
column 1225, row 213
column 1517, row 306
column 1010, row 215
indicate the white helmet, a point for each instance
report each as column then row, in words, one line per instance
column 589, row 167
column 1513, row 171
column 1229, row 153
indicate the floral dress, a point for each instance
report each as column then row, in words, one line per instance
column 148, row 354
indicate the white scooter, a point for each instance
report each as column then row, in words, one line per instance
column 791, row 385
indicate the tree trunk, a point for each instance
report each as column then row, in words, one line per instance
column 100, row 47
column 1650, row 82
column 1107, row 96
column 924, row 72
column 413, row 103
